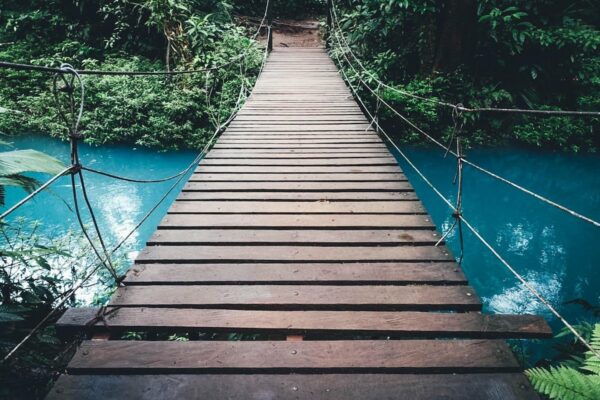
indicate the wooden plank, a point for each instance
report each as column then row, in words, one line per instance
column 499, row 386
column 335, row 127
column 267, row 141
column 387, row 273
column 396, row 324
column 383, row 237
column 306, row 186
column 300, row 297
column 208, row 253
column 277, row 154
column 425, row 356
column 355, row 162
column 331, row 221
column 300, row 169
column 291, row 147
column 286, row 148
column 302, row 207
column 383, row 169
column 298, row 196
column 314, row 137
column 290, row 177
column 302, row 118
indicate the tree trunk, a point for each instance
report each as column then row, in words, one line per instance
column 456, row 40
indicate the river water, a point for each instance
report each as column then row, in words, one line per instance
column 555, row 252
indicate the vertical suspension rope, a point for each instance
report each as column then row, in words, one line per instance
column 456, row 137
column 72, row 119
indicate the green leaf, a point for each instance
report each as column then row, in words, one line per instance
column 19, row 161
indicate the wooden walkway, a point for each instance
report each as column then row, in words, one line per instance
column 298, row 230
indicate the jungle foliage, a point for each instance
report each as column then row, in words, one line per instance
column 37, row 272
column 485, row 53
column 150, row 35
column 575, row 378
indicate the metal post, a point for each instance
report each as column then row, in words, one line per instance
column 328, row 33
column 269, row 28
column 270, row 38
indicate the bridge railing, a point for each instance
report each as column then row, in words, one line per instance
column 348, row 59
column 66, row 81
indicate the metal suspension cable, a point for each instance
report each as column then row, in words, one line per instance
column 471, row 228
column 573, row 113
column 465, row 160
column 38, row 68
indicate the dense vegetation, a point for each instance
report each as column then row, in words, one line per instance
column 486, row 53
column 149, row 35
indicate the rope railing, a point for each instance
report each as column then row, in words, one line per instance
column 458, row 106
column 72, row 118
column 337, row 32
column 462, row 218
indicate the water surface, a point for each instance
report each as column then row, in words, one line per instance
column 554, row 251
column 557, row 253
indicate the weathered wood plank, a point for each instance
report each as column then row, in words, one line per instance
column 299, row 221
column 266, row 140
column 300, row 297
column 286, row 152
column 291, row 177
column 284, row 148
column 499, row 386
column 302, row 207
column 381, row 237
column 386, row 273
column 302, row 161
column 302, row 119
column 313, row 170
column 298, row 196
column 423, row 356
column 396, row 324
column 275, row 253
column 246, row 154
column 305, row 186
column 334, row 127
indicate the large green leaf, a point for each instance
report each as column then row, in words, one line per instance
column 19, row 161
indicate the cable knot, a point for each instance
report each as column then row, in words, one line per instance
column 77, row 135
column 76, row 168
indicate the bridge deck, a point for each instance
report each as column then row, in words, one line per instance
column 298, row 222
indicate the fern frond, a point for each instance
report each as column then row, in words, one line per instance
column 592, row 362
column 563, row 383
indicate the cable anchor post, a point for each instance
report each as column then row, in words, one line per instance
column 329, row 7
column 269, row 27
column 375, row 119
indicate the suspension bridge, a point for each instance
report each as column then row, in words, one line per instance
column 299, row 234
